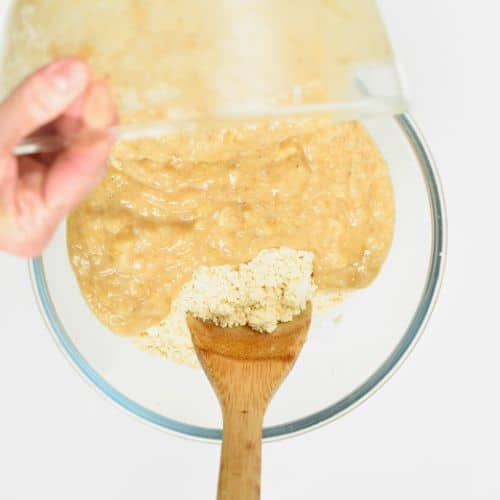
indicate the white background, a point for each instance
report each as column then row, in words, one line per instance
column 431, row 432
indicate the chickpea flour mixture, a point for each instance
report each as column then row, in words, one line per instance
column 272, row 288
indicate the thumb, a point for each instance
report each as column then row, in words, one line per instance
column 41, row 98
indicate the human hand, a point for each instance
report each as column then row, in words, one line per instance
column 37, row 191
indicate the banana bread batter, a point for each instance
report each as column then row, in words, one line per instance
column 168, row 206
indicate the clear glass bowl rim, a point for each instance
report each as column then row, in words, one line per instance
column 328, row 414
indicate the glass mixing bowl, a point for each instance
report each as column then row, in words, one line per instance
column 351, row 351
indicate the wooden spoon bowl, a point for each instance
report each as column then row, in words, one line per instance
column 245, row 369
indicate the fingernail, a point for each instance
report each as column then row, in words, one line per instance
column 67, row 75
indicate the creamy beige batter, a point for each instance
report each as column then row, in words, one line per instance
column 220, row 197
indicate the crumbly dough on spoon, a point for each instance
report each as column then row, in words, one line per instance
column 274, row 287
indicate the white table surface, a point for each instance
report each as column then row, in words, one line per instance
column 431, row 432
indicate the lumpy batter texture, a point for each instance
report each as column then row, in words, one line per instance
column 168, row 206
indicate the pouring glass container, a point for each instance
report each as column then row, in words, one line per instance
column 175, row 63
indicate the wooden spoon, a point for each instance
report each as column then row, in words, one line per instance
column 245, row 368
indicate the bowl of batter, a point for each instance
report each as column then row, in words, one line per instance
column 108, row 283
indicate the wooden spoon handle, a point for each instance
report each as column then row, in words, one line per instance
column 240, row 465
